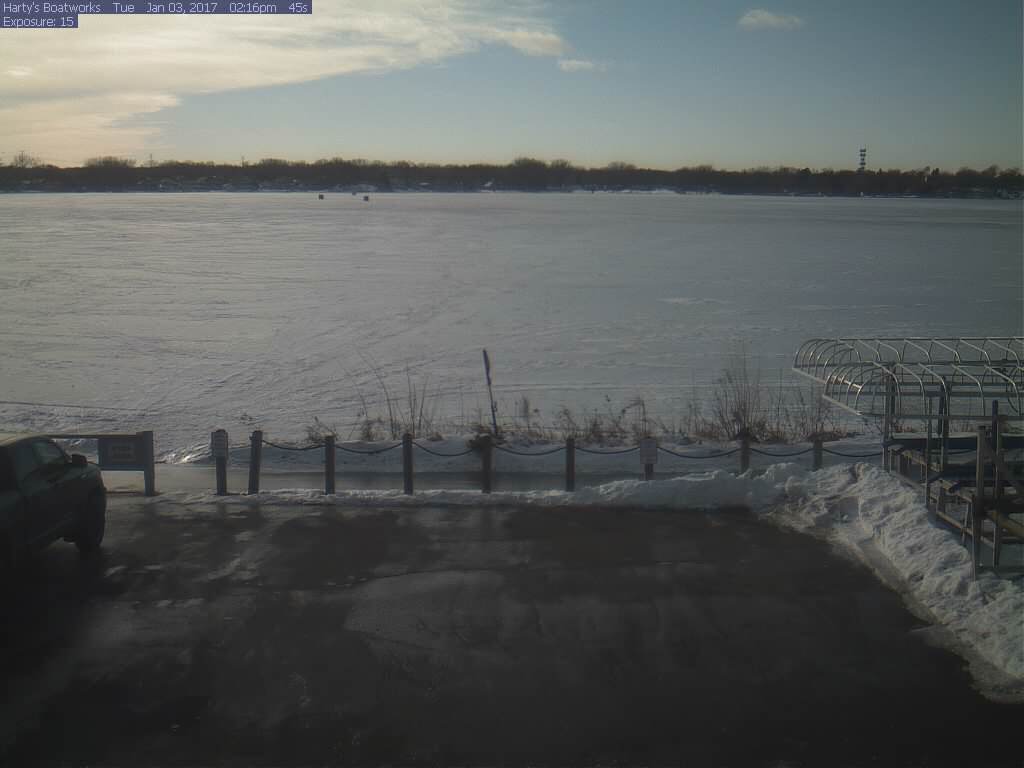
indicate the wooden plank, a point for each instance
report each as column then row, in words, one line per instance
column 1013, row 526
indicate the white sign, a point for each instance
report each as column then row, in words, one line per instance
column 648, row 450
column 219, row 444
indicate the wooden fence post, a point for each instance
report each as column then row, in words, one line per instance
column 744, row 451
column 149, row 472
column 255, row 457
column 329, row 455
column 978, row 511
column 407, row 464
column 570, row 464
column 485, row 460
column 219, row 446
column 818, row 453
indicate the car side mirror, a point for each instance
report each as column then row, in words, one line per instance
column 78, row 460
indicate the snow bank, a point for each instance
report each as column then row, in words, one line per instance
column 863, row 509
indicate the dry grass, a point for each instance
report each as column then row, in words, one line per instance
column 739, row 402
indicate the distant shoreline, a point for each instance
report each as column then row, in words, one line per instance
column 624, row 192
column 112, row 174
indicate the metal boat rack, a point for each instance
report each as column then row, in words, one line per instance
column 979, row 380
column 898, row 378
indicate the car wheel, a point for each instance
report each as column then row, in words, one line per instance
column 92, row 525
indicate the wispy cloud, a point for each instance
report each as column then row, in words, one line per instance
column 84, row 87
column 758, row 18
column 580, row 65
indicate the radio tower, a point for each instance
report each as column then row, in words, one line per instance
column 863, row 159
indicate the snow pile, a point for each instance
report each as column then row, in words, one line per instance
column 706, row 490
column 866, row 511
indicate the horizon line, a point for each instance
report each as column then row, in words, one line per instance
column 611, row 165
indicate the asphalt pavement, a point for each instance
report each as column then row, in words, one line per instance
column 238, row 635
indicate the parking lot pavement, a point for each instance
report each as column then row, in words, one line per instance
column 235, row 635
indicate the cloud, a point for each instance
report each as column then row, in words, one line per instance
column 84, row 87
column 580, row 65
column 758, row 18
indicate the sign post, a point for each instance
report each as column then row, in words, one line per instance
column 127, row 453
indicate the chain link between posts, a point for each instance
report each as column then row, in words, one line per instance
column 689, row 456
column 608, row 453
column 514, row 452
column 781, row 455
column 851, row 455
column 296, row 448
column 442, row 454
column 317, row 446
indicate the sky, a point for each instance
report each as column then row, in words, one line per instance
column 659, row 84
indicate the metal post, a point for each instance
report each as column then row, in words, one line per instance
column 149, row 459
column 818, row 453
column 998, row 480
column 744, row 451
column 255, row 457
column 329, row 455
column 944, row 430
column 928, row 459
column 887, row 426
column 485, row 461
column 978, row 511
column 570, row 464
column 407, row 464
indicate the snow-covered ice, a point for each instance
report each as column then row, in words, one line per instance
column 184, row 313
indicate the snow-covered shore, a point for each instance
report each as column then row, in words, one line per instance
column 860, row 509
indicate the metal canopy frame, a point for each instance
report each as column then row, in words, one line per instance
column 898, row 377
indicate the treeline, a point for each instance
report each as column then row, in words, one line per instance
column 527, row 174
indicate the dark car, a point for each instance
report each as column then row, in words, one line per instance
column 47, row 495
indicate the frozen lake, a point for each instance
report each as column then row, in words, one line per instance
column 188, row 312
